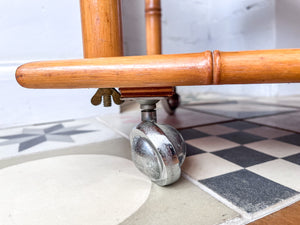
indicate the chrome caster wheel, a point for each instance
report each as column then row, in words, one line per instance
column 158, row 151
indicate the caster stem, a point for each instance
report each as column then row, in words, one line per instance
column 148, row 110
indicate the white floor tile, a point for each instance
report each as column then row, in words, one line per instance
column 212, row 143
column 216, row 129
column 267, row 132
column 274, row 148
column 206, row 165
column 74, row 189
column 280, row 171
column 288, row 121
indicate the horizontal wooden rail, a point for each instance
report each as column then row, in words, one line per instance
column 132, row 71
column 266, row 66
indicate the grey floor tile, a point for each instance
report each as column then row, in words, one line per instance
column 292, row 101
column 242, row 110
column 287, row 121
column 248, row 190
column 184, row 118
column 291, row 139
column 242, row 137
column 244, row 156
column 293, row 158
column 191, row 150
column 240, row 125
column 188, row 134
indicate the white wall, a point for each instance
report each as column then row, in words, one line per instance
column 287, row 35
column 50, row 29
column 199, row 25
column 37, row 30
column 231, row 25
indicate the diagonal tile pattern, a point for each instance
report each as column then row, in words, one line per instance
column 260, row 168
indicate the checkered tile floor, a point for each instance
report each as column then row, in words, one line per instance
column 246, row 151
column 252, row 166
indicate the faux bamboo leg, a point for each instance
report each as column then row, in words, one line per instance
column 153, row 44
column 102, row 36
column 153, row 26
column 101, row 28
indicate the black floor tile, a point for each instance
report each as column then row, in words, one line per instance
column 240, row 125
column 291, row 139
column 191, row 150
column 243, row 156
column 188, row 134
column 248, row 190
column 242, row 137
column 293, row 158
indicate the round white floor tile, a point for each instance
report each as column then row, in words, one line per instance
column 73, row 190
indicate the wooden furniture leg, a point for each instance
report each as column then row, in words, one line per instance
column 154, row 47
column 102, row 37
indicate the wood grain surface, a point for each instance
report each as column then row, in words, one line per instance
column 266, row 66
column 131, row 71
column 101, row 28
column 153, row 26
column 286, row 216
column 153, row 45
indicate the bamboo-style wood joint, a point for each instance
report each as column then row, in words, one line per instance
column 247, row 67
column 152, row 7
column 262, row 66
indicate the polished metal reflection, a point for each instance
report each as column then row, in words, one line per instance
column 158, row 151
